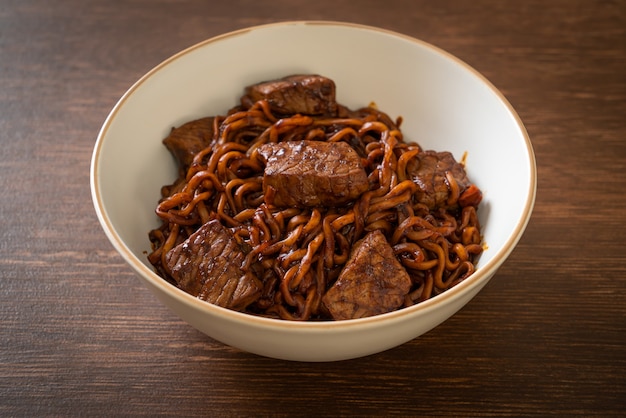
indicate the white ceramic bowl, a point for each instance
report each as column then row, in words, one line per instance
column 445, row 104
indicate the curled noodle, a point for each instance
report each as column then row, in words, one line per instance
column 298, row 253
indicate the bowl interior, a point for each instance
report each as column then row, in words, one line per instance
column 445, row 105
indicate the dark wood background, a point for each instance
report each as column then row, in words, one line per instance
column 80, row 335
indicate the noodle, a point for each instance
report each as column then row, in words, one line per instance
column 298, row 253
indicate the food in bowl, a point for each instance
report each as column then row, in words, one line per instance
column 294, row 206
column 447, row 106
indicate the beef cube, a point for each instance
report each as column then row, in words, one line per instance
column 303, row 94
column 208, row 265
column 428, row 171
column 187, row 140
column 372, row 282
column 312, row 173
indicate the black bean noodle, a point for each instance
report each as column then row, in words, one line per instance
column 298, row 253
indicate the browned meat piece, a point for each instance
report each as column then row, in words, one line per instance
column 429, row 171
column 208, row 266
column 372, row 282
column 304, row 94
column 312, row 173
column 187, row 140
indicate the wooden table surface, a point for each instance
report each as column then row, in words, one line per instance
column 81, row 336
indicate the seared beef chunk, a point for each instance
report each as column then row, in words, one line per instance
column 372, row 282
column 187, row 140
column 312, row 173
column 208, row 266
column 429, row 170
column 305, row 94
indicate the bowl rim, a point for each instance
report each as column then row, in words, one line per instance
column 481, row 275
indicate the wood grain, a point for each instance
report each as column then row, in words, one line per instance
column 82, row 337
